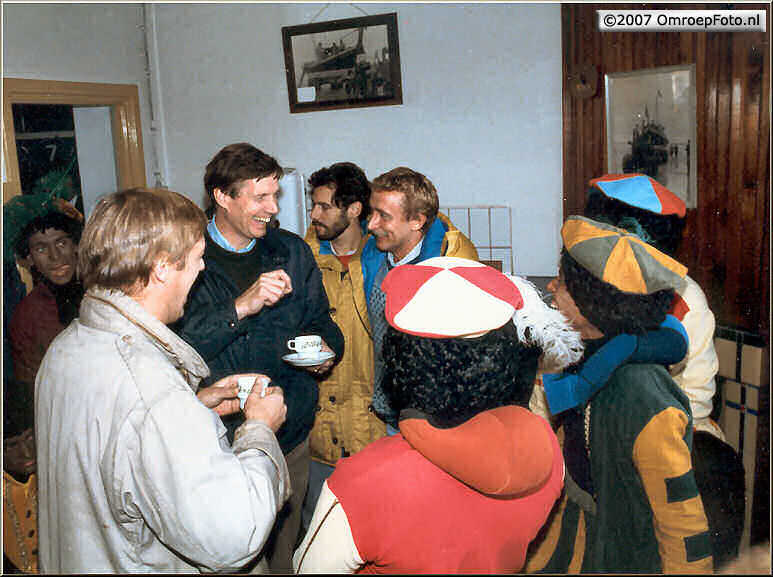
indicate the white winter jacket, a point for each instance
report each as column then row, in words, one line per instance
column 134, row 472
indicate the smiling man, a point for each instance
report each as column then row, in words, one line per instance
column 261, row 287
column 135, row 473
column 407, row 229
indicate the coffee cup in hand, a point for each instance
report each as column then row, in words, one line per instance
column 245, row 388
column 306, row 346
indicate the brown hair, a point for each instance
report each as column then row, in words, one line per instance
column 130, row 231
column 419, row 194
column 349, row 185
column 234, row 164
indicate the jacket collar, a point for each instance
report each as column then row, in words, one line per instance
column 433, row 239
column 114, row 311
column 501, row 451
column 327, row 260
column 322, row 247
column 435, row 243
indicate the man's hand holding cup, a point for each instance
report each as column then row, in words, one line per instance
column 260, row 401
column 308, row 347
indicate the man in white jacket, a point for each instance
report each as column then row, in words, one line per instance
column 135, row 473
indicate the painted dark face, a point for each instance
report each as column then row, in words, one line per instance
column 54, row 254
column 564, row 302
column 19, row 454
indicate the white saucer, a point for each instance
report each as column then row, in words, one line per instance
column 308, row 361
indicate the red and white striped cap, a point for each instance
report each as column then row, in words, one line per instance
column 449, row 297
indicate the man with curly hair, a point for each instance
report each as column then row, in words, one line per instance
column 646, row 208
column 631, row 503
column 48, row 246
column 345, row 420
column 643, row 206
column 472, row 475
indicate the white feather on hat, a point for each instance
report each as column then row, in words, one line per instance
column 547, row 328
column 452, row 297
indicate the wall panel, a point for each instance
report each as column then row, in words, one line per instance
column 726, row 243
column 727, row 238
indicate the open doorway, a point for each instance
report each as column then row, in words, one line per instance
column 120, row 103
column 112, row 108
column 46, row 150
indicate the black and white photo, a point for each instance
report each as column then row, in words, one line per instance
column 345, row 63
column 651, row 127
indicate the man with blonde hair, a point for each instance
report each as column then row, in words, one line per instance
column 407, row 229
column 135, row 473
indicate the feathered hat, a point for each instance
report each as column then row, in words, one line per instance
column 50, row 193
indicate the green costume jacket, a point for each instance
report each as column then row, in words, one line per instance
column 646, row 515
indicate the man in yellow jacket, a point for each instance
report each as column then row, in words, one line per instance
column 345, row 421
column 406, row 228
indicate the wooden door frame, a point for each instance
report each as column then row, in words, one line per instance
column 125, row 116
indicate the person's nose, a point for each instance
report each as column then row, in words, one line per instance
column 55, row 253
column 552, row 286
column 315, row 212
column 373, row 221
column 272, row 206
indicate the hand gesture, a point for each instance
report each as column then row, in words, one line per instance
column 266, row 291
column 270, row 409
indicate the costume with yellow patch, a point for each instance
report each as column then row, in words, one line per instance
column 632, row 503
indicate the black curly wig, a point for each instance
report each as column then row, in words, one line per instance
column 664, row 232
column 610, row 310
column 454, row 379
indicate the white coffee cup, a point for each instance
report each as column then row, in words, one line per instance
column 306, row 346
column 245, row 388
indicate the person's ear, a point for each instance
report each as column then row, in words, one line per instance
column 417, row 223
column 221, row 199
column 354, row 211
column 160, row 271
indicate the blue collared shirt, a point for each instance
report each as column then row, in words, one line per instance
column 408, row 257
column 222, row 242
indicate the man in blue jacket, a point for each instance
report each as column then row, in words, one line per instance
column 406, row 228
column 261, row 287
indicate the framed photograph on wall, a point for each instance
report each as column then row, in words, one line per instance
column 652, row 125
column 347, row 63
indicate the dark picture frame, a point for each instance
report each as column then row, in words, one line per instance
column 346, row 63
column 652, row 126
